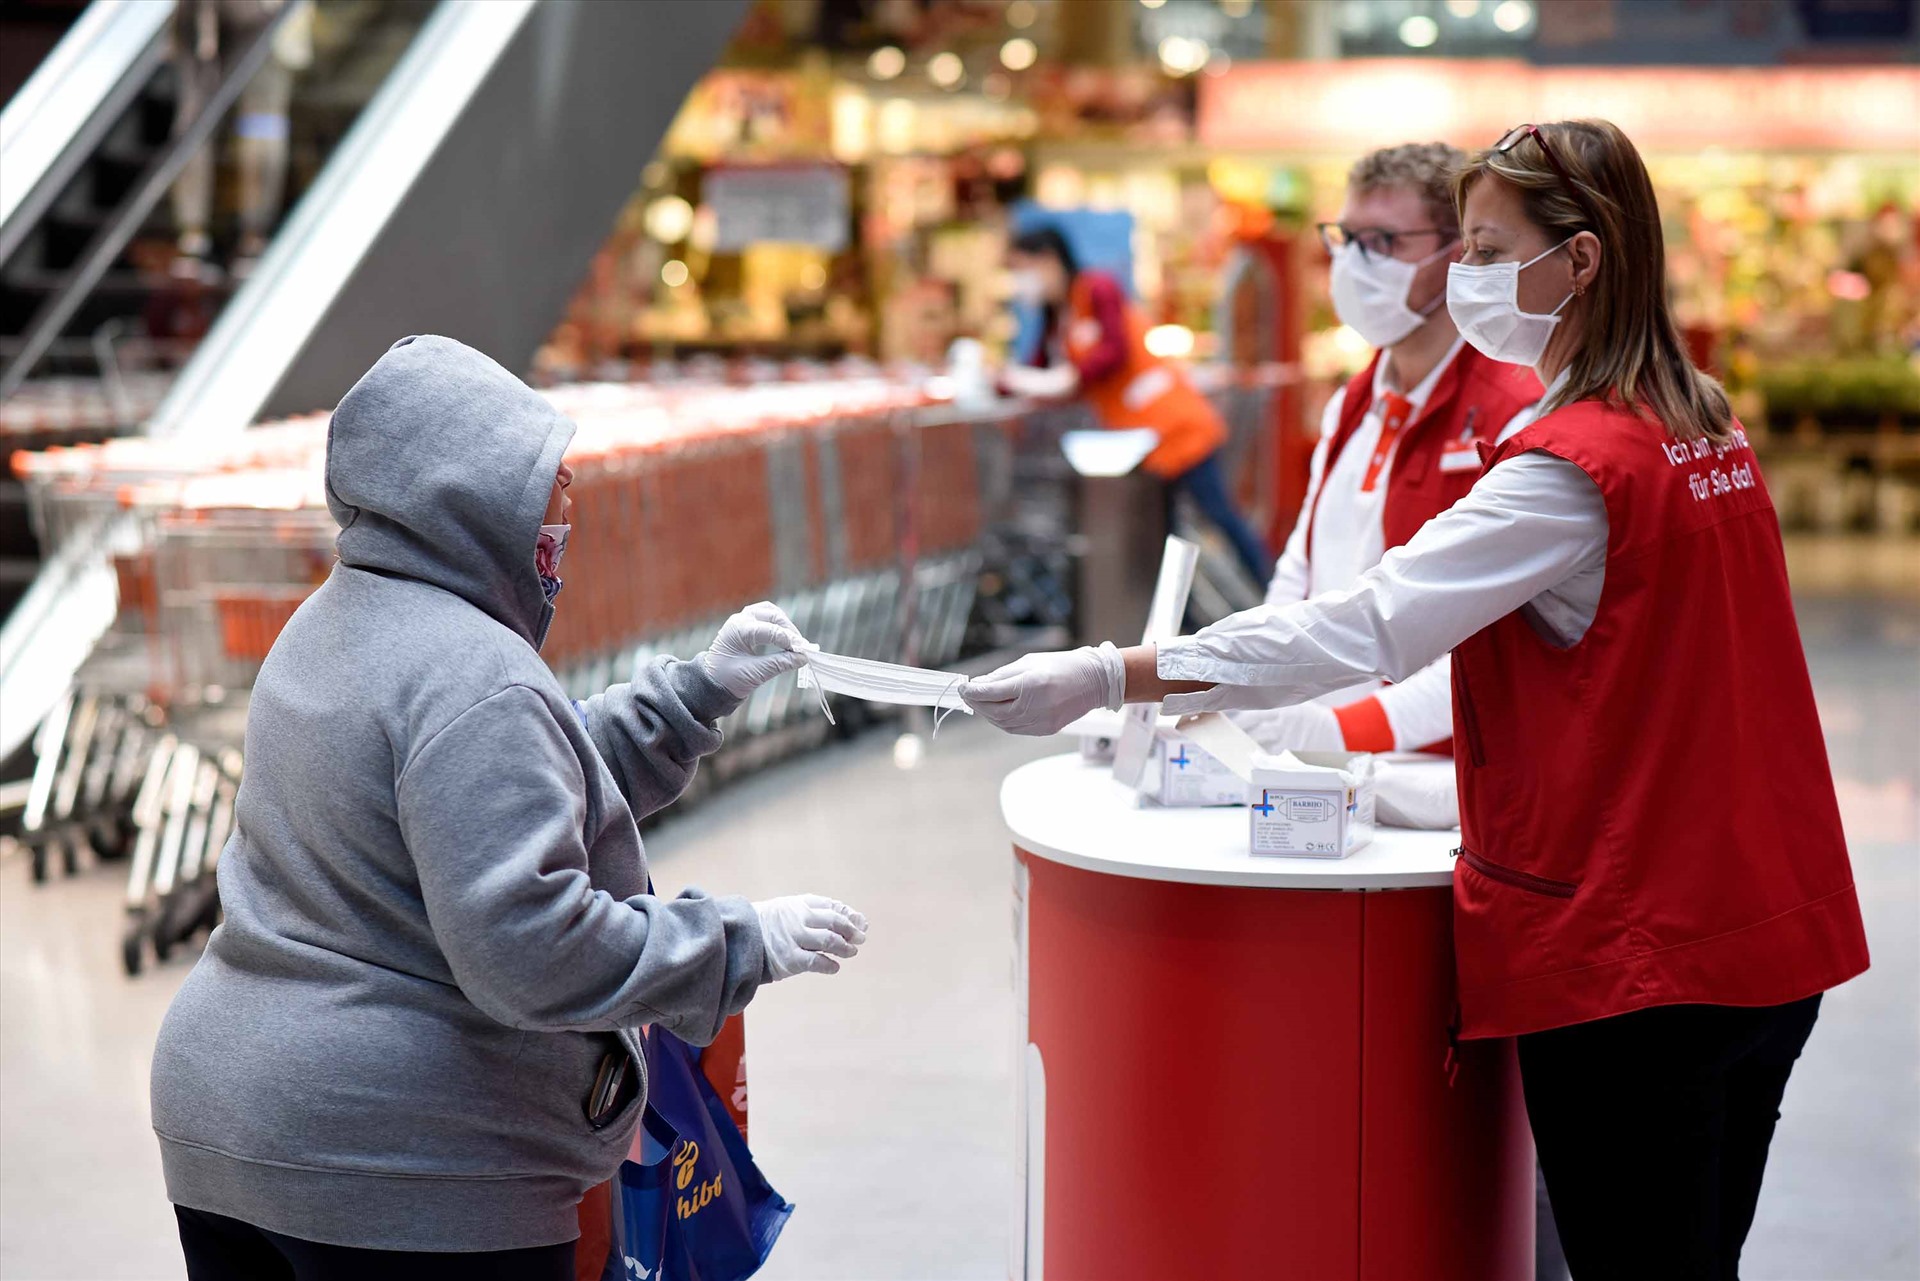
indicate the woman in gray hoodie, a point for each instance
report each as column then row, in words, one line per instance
column 411, row 1047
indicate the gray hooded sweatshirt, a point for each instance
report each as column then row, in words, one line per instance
column 436, row 919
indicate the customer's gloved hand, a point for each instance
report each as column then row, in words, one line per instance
column 753, row 647
column 1042, row 694
column 1308, row 727
column 804, row 932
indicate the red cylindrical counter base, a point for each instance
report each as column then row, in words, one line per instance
column 1255, row 1083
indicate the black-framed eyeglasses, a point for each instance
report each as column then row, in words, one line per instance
column 1519, row 134
column 1374, row 242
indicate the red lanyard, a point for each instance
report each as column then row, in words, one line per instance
column 1395, row 410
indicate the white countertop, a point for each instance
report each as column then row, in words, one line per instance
column 1071, row 812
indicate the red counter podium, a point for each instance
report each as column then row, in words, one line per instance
column 1238, row 1067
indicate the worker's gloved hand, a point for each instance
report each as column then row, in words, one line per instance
column 804, row 932
column 1044, row 693
column 753, row 647
column 1308, row 727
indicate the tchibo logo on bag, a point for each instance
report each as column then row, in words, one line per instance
column 697, row 1196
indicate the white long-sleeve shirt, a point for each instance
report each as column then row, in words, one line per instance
column 1347, row 537
column 1531, row 535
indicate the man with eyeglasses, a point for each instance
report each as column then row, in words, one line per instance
column 1398, row 444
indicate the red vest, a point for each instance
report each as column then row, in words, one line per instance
column 1146, row 391
column 1648, row 817
column 1434, row 465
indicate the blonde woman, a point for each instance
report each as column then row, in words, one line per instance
column 1653, row 888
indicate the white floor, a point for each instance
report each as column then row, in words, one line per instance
column 881, row 1097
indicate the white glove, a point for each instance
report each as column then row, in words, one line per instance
column 1308, row 727
column 1417, row 794
column 1044, row 693
column 753, row 647
column 806, row 931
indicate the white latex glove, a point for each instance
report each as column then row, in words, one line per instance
column 804, row 932
column 753, row 647
column 1308, row 727
column 1042, row 694
column 1417, row 794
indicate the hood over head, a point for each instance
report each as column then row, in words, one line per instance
column 439, row 466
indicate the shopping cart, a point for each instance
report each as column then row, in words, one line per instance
column 227, row 579
column 864, row 508
column 81, row 794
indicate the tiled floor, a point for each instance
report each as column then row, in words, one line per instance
column 881, row 1097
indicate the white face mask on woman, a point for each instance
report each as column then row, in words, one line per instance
column 1484, row 302
column 1029, row 286
column 1370, row 294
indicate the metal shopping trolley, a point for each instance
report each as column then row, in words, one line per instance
column 865, row 510
column 84, row 778
column 227, row 581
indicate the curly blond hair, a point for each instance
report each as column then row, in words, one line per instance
column 1426, row 168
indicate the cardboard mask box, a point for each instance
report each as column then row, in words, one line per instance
column 1180, row 773
column 1312, row 805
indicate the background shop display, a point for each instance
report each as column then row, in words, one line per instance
column 1793, row 236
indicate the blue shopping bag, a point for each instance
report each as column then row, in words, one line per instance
column 695, row 1207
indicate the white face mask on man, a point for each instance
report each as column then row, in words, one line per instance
column 1484, row 302
column 1370, row 294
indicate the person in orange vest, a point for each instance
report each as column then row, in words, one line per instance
column 1093, row 345
column 1653, row 890
column 1398, row 443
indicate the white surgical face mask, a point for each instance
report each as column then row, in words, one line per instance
column 1029, row 286
column 1370, row 294
column 1484, row 302
column 878, row 682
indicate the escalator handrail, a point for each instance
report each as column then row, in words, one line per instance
column 105, row 246
column 267, row 323
column 58, row 117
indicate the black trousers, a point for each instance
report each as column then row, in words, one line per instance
column 1206, row 483
column 1653, row 1130
column 223, row 1249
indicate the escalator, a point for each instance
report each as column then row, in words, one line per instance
column 99, row 308
column 464, row 194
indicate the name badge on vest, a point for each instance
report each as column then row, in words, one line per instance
column 1462, row 453
column 1147, row 388
column 1083, row 333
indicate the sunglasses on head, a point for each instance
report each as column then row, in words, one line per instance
column 1519, row 134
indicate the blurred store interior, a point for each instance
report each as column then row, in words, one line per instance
column 755, row 249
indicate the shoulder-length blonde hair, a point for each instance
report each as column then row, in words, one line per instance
column 1631, row 355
